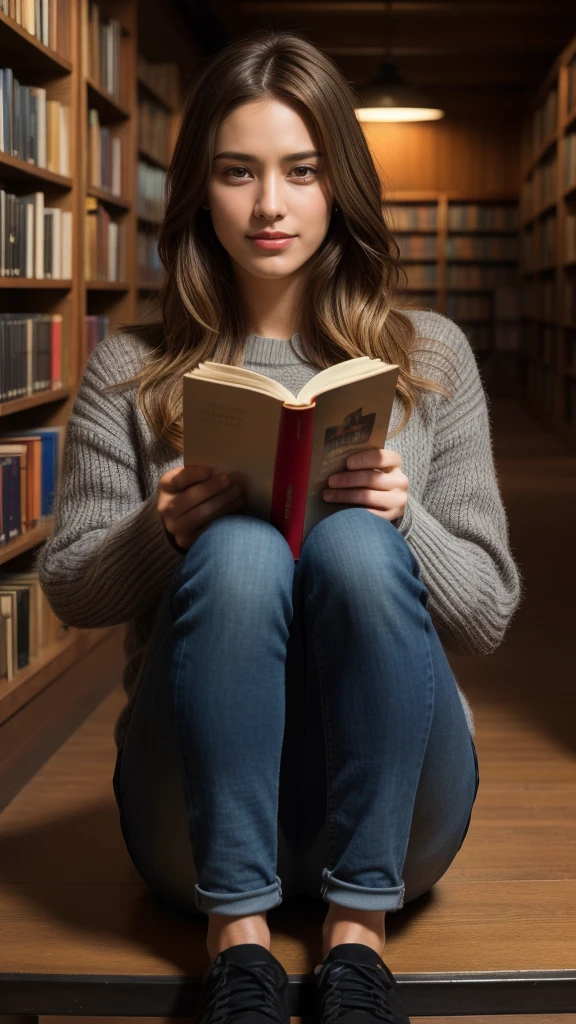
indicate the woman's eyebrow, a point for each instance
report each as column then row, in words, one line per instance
column 232, row 155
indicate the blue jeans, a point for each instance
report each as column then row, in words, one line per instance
column 297, row 727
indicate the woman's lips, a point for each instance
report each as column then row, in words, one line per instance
column 272, row 243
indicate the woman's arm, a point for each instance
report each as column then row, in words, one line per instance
column 109, row 556
column 459, row 530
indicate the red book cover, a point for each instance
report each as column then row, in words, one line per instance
column 291, row 474
column 56, row 350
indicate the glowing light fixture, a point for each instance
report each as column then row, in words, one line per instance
column 388, row 97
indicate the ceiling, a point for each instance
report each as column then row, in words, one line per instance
column 489, row 56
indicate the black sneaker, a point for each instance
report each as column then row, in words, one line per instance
column 354, row 986
column 245, row 984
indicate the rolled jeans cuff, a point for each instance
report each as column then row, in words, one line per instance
column 360, row 897
column 239, row 903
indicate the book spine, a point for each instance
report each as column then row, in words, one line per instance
column 292, row 474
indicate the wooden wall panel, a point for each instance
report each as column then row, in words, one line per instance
column 472, row 155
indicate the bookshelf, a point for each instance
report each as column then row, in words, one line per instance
column 460, row 254
column 547, row 355
column 122, row 93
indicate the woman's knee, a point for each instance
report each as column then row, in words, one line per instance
column 353, row 548
column 235, row 557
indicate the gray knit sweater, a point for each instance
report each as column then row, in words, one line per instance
column 110, row 559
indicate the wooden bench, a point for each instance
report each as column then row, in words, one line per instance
column 82, row 935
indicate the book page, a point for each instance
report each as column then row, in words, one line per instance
column 234, row 430
column 350, row 418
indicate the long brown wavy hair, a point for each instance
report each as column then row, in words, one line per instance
column 347, row 307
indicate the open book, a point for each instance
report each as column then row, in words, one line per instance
column 280, row 447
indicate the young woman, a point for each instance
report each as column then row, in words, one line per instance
column 289, row 723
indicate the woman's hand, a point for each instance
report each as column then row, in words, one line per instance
column 373, row 478
column 189, row 497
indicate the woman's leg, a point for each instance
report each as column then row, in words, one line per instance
column 197, row 779
column 398, row 762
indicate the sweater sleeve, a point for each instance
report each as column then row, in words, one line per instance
column 459, row 530
column 109, row 556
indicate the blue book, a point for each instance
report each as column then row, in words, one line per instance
column 52, row 442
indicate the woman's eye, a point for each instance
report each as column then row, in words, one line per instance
column 310, row 172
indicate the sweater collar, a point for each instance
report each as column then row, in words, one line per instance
column 273, row 351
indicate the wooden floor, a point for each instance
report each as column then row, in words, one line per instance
column 74, row 904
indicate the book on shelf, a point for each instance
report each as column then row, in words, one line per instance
column 153, row 129
column 18, row 621
column 101, row 47
column 48, row 20
column 104, row 244
column 33, row 128
column 27, row 622
column 30, row 354
column 35, row 240
column 104, row 156
column 280, row 447
column 15, row 481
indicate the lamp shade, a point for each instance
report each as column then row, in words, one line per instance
column 389, row 98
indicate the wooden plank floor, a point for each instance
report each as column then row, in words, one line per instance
column 71, row 901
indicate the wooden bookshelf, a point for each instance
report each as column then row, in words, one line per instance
column 547, row 365
column 460, row 255
column 70, row 79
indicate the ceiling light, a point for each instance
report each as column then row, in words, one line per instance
column 389, row 98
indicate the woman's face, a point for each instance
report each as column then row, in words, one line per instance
column 271, row 179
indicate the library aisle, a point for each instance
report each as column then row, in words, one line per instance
column 480, row 199
column 66, row 878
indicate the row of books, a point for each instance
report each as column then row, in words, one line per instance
column 27, row 622
column 461, row 216
column 570, row 247
column 539, row 244
column 469, row 307
column 460, row 276
column 102, row 51
column 416, row 300
column 150, row 191
column 506, row 337
column 104, row 156
column 417, row 246
column 47, row 20
column 153, row 130
column 407, row 216
column 161, row 78
column 105, row 244
column 30, row 461
column 507, row 302
column 482, row 247
column 538, row 341
column 479, row 335
column 97, row 328
column 540, row 386
column 570, row 351
column 502, row 305
column 150, row 267
column 545, row 120
column 540, row 187
column 33, row 128
column 539, row 299
column 487, row 337
column 421, row 275
column 569, row 304
column 35, row 240
column 30, row 354
column 482, row 217
column 570, row 160
column 570, row 400
column 572, row 84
